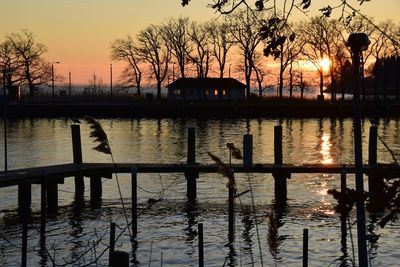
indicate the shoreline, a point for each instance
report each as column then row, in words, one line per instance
column 249, row 109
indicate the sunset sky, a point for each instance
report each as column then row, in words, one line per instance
column 78, row 33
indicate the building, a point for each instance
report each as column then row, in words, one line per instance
column 206, row 89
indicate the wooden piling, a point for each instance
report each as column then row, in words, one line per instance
column 343, row 225
column 52, row 197
column 201, row 245
column 231, row 215
column 24, row 240
column 191, row 175
column 134, row 201
column 119, row 259
column 247, row 150
column 77, row 157
column 43, row 201
column 96, row 189
column 375, row 181
column 279, row 177
column 24, row 198
column 112, row 242
column 305, row 247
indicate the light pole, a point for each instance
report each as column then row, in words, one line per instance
column 52, row 77
column 8, row 71
column 358, row 42
column 111, row 85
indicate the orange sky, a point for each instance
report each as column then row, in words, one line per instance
column 78, row 33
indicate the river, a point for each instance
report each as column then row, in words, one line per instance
column 167, row 230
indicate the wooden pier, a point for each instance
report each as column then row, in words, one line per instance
column 49, row 177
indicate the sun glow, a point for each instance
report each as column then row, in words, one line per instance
column 325, row 64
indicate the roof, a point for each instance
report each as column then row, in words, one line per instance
column 206, row 83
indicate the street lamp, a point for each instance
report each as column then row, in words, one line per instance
column 358, row 42
column 52, row 77
column 111, row 85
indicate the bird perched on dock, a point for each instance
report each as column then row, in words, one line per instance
column 75, row 120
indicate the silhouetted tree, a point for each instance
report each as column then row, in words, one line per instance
column 200, row 55
column 126, row 50
column 175, row 32
column 153, row 49
column 21, row 53
column 221, row 41
column 245, row 30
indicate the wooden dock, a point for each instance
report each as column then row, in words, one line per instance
column 105, row 170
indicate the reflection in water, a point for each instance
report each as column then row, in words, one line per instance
column 192, row 213
column 326, row 149
column 248, row 225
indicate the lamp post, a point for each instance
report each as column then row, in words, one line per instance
column 111, row 85
column 8, row 71
column 52, row 78
column 358, row 42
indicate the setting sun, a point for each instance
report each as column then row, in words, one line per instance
column 325, row 64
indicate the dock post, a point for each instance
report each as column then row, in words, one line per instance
column 43, row 201
column 24, row 199
column 247, row 150
column 77, row 157
column 279, row 176
column 119, row 259
column 231, row 215
column 201, row 245
column 343, row 225
column 112, row 242
column 96, row 190
column 375, row 182
column 191, row 175
column 305, row 247
column 134, row 201
column 52, row 196
column 24, row 240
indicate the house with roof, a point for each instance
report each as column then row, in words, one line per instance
column 206, row 89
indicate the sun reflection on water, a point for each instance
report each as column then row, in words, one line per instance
column 326, row 149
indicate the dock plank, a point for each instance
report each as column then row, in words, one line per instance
column 54, row 172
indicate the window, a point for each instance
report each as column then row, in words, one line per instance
column 223, row 92
column 177, row 92
column 215, row 92
column 207, row 92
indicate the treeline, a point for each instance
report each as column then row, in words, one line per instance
column 241, row 42
column 256, row 48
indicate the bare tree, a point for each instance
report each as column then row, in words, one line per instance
column 26, row 59
column 201, row 53
column 245, row 29
column 221, row 41
column 261, row 72
column 175, row 32
column 126, row 50
column 154, row 50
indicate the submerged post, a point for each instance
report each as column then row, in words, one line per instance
column 247, row 150
column 134, row 201
column 191, row 174
column 305, row 247
column 279, row 176
column 119, row 259
column 375, row 182
column 43, row 200
column 96, row 190
column 231, row 215
column 201, row 245
column 24, row 240
column 112, row 242
column 24, row 199
column 77, row 157
column 52, row 196
column 343, row 226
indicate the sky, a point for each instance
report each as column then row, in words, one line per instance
column 79, row 33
